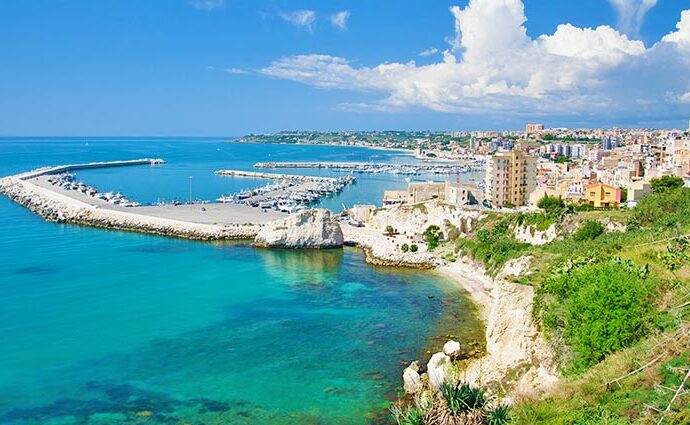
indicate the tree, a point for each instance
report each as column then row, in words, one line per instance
column 432, row 235
column 389, row 230
column 551, row 203
column 562, row 159
column 405, row 247
column 665, row 183
column 414, row 248
column 591, row 229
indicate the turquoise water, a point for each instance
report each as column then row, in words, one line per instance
column 112, row 327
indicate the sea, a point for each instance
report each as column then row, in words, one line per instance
column 110, row 327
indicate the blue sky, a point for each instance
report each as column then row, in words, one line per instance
column 214, row 67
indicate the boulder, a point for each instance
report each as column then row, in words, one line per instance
column 412, row 382
column 437, row 369
column 308, row 229
column 451, row 348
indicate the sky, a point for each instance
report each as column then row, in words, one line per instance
column 233, row 67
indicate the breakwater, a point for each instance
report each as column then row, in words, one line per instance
column 371, row 167
column 73, row 167
column 260, row 175
column 61, row 208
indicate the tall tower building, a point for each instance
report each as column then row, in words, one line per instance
column 510, row 178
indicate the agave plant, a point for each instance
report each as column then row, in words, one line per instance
column 462, row 398
column 499, row 416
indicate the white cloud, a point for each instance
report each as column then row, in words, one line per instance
column 339, row 20
column 684, row 98
column 631, row 14
column 236, row 71
column 682, row 36
column 495, row 66
column 208, row 4
column 428, row 52
column 300, row 18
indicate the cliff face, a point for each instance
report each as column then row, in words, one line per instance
column 531, row 235
column 309, row 229
column 414, row 219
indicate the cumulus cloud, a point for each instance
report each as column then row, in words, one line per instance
column 495, row 66
column 428, row 52
column 682, row 36
column 631, row 14
column 300, row 18
column 208, row 4
column 339, row 20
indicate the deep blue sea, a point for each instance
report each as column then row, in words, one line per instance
column 107, row 327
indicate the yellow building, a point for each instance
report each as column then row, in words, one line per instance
column 600, row 195
column 510, row 178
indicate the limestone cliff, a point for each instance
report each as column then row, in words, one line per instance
column 309, row 229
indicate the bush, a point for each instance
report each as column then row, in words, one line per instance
column 600, row 308
column 432, row 235
column 665, row 183
column 414, row 248
column 590, row 230
column 551, row 203
column 405, row 247
column 662, row 210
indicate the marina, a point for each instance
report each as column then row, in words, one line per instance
column 290, row 194
column 370, row 167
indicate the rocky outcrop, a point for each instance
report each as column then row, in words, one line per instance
column 437, row 369
column 309, row 229
column 533, row 236
column 62, row 209
column 414, row 219
column 412, row 381
column 451, row 348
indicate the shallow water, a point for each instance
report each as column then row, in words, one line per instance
column 113, row 327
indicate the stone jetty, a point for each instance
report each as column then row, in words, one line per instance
column 59, row 207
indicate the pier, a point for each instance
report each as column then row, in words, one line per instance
column 372, row 167
column 48, row 192
column 90, row 165
column 260, row 175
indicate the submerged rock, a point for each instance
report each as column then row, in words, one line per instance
column 309, row 229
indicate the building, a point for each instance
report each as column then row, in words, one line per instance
column 362, row 213
column 450, row 193
column 636, row 191
column 534, row 128
column 600, row 195
column 510, row 178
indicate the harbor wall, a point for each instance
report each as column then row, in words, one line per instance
column 60, row 208
column 91, row 165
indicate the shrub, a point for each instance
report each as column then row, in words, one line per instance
column 665, row 183
column 600, row 308
column 405, row 247
column 551, row 203
column 432, row 235
column 414, row 248
column 662, row 210
column 590, row 230
column 500, row 415
column 390, row 230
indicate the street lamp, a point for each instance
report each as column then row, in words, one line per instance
column 190, row 190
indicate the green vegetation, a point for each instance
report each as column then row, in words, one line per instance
column 589, row 230
column 389, row 230
column 414, row 247
column 665, row 183
column 551, row 204
column 432, row 235
column 404, row 247
column 562, row 159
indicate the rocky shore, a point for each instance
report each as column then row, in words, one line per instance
column 59, row 208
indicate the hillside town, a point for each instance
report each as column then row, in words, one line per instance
column 595, row 168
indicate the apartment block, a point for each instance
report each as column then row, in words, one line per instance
column 510, row 178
